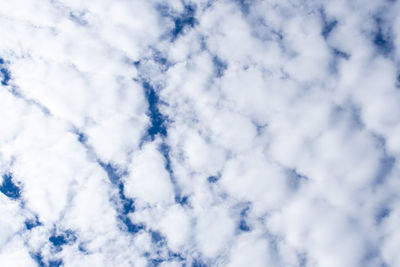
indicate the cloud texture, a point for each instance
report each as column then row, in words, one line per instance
column 200, row 133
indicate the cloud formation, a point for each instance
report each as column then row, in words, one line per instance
column 199, row 133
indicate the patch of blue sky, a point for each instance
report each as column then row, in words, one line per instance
column 160, row 252
column 184, row 20
column 156, row 261
column 32, row 223
column 124, row 205
column 181, row 200
column 383, row 37
column 328, row 25
column 5, row 75
column 213, row 179
column 159, row 125
column 113, row 173
column 161, row 60
column 82, row 138
column 156, row 237
column 55, row 263
column 165, row 150
column 38, row 258
column 243, row 225
column 157, row 256
column 198, row 263
column 9, row 188
column 158, row 121
column 58, row 240
column 175, row 256
column 128, row 204
column 128, row 225
column 181, row 21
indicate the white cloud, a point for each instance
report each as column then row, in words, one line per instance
column 15, row 254
column 281, row 142
column 214, row 229
column 250, row 250
column 176, row 225
column 149, row 181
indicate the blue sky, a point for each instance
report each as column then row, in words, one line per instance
column 199, row 133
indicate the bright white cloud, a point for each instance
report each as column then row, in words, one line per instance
column 199, row 133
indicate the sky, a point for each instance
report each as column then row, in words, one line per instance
column 200, row 133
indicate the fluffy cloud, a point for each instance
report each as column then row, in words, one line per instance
column 199, row 133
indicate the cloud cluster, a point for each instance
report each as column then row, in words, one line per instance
column 199, row 133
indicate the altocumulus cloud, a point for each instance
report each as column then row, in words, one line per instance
column 200, row 133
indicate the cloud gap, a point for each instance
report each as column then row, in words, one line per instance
column 157, row 120
column 128, row 225
column 156, row 237
column 243, row 225
column 9, row 188
column 182, row 21
column 328, row 25
column 175, row 256
column 38, row 258
column 213, row 179
column 186, row 20
column 4, row 73
column 41, row 262
column 161, row 60
column 82, row 138
column 56, row 263
column 115, row 177
column 58, row 240
column 113, row 173
column 159, row 127
column 160, row 256
column 156, row 261
column 32, row 223
column 179, row 198
column 198, row 263
column 383, row 37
